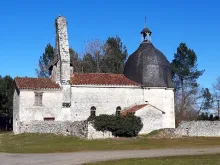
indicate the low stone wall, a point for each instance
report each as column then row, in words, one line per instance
column 81, row 129
column 94, row 134
column 78, row 129
column 199, row 128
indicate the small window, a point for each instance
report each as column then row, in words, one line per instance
column 49, row 118
column 118, row 110
column 93, row 111
column 38, row 98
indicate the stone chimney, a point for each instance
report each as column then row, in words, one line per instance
column 62, row 48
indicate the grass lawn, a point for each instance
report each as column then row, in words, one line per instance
column 44, row 143
column 182, row 160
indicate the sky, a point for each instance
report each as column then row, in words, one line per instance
column 28, row 26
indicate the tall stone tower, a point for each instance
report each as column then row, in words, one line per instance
column 62, row 49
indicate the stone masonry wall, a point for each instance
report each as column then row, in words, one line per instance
column 16, row 117
column 199, row 128
column 63, row 51
column 81, row 129
column 94, row 134
column 78, row 129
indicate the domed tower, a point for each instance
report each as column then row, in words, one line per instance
column 147, row 65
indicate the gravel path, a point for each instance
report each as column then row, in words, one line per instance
column 78, row 158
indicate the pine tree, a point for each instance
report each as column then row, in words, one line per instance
column 44, row 61
column 185, row 73
column 6, row 100
column 115, row 55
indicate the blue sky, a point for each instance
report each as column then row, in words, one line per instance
column 27, row 26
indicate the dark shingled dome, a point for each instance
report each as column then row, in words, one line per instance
column 148, row 67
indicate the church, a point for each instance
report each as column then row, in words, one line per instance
column 145, row 88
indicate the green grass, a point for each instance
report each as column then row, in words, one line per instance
column 45, row 143
column 182, row 160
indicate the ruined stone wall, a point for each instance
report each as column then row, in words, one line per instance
column 78, row 129
column 199, row 128
column 81, row 129
column 94, row 134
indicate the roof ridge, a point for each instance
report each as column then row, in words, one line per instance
column 101, row 79
column 133, row 108
column 97, row 73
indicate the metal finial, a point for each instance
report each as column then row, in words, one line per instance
column 145, row 21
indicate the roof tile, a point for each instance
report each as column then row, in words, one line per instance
column 35, row 83
column 133, row 109
column 101, row 79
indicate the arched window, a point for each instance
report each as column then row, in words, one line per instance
column 93, row 111
column 118, row 110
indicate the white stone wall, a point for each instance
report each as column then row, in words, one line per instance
column 163, row 99
column 16, row 118
column 94, row 134
column 152, row 119
column 199, row 128
column 51, row 106
column 105, row 99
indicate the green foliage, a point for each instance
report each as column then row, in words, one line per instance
column 6, row 100
column 93, row 56
column 104, row 57
column 44, row 61
column 75, row 61
column 6, row 95
column 99, row 57
column 207, row 97
column 206, row 116
column 184, row 67
column 185, row 75
column 89, row 64
column 121, row 126
column 115, row 55
column 49, row 55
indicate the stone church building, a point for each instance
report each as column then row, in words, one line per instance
column 144, row 88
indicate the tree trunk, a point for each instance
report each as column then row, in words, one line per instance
column 183, row 100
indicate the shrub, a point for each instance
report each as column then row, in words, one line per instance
column 121, row 126
column 206, row 116
column 211, row 117
column 216, row 118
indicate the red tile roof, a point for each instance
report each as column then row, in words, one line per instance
column 101, row 79
column 35, row 83
column 133, row 109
